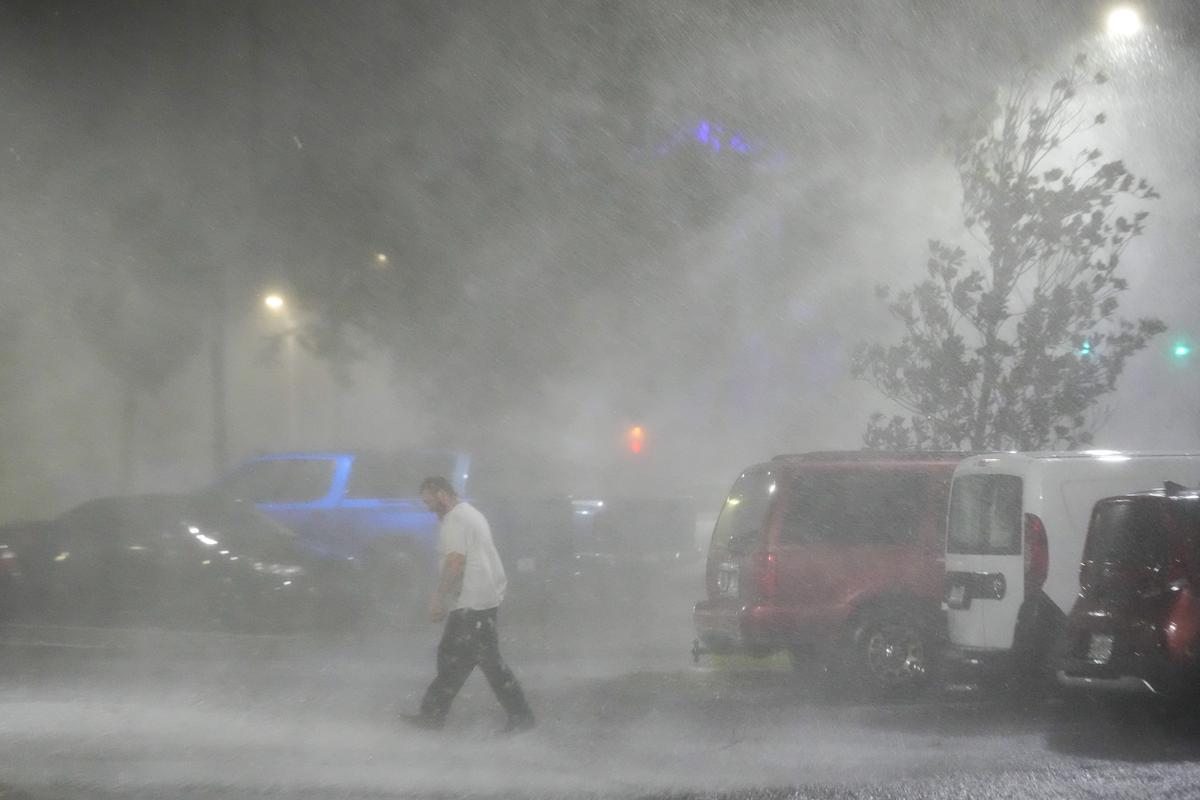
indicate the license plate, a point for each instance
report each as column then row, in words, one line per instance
column 1100, row 648
column 957, row 598
column 727, row 581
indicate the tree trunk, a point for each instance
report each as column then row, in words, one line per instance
column 981, row 434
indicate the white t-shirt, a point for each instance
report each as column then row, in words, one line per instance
column 465, row 530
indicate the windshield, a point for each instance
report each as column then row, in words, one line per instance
column 1132, row 532
column 985, row 515
column 239, row 526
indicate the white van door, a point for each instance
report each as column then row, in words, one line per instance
column 985, row 569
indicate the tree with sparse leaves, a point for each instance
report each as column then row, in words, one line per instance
column 1012, row 343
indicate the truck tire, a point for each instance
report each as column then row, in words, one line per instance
column 890, row 653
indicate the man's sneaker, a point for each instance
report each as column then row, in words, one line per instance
column 422, row 721
column 518, row 724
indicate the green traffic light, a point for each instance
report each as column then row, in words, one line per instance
column 1182, row 350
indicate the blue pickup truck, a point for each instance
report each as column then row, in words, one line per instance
column 363, row 506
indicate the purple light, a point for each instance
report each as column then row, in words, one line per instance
column 711, row 135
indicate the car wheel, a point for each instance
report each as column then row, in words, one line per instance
column 892, row 654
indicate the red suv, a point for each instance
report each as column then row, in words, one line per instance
column 837, row 554
column 1135, row 626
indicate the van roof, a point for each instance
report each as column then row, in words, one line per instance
column 1170, row 491
column 1011, row 456
column 874, row 455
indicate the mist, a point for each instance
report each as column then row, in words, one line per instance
column 556, row 207
column 512, row 228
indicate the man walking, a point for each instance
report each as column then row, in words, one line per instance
column 467, row 597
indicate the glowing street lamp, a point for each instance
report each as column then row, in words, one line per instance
column 274, row 303
column 381, row 260
column 1123, row 22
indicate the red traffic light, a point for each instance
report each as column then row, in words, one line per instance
column 635, row 439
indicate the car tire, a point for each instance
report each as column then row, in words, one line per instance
column 891, row 653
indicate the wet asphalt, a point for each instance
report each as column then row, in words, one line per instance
column 622, row 712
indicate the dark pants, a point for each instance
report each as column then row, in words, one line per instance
column 469, row 639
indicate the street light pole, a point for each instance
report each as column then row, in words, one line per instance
column 276, row 304
column 216, row 355
column 289, row 355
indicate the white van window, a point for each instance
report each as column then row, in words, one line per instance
column 859, row 507
column 745, row 509
column 985, row 515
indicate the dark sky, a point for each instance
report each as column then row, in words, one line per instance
column 556, row 216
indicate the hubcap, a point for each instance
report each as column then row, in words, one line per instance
column 895, row 655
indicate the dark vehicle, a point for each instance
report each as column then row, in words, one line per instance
column 637, row 551
column 838, row 554
column 363, row 506
column 1135, row 626
column 186, row 562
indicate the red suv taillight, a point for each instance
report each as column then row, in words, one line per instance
column 766, row 573
column 1037, row 554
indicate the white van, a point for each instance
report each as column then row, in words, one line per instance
column 1014, row 541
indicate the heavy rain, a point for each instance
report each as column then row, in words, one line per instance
column 823, row 374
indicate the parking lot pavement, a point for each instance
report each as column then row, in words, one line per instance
column 627, row 725
column 622, row 711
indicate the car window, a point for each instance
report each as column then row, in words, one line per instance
column 284, row 480
column 1131, row 532
column 375, row 477
column 745, row 508
column 985, row 515
column 854, row 507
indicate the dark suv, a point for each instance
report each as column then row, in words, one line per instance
column 1135, row 626
column 837, row 554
